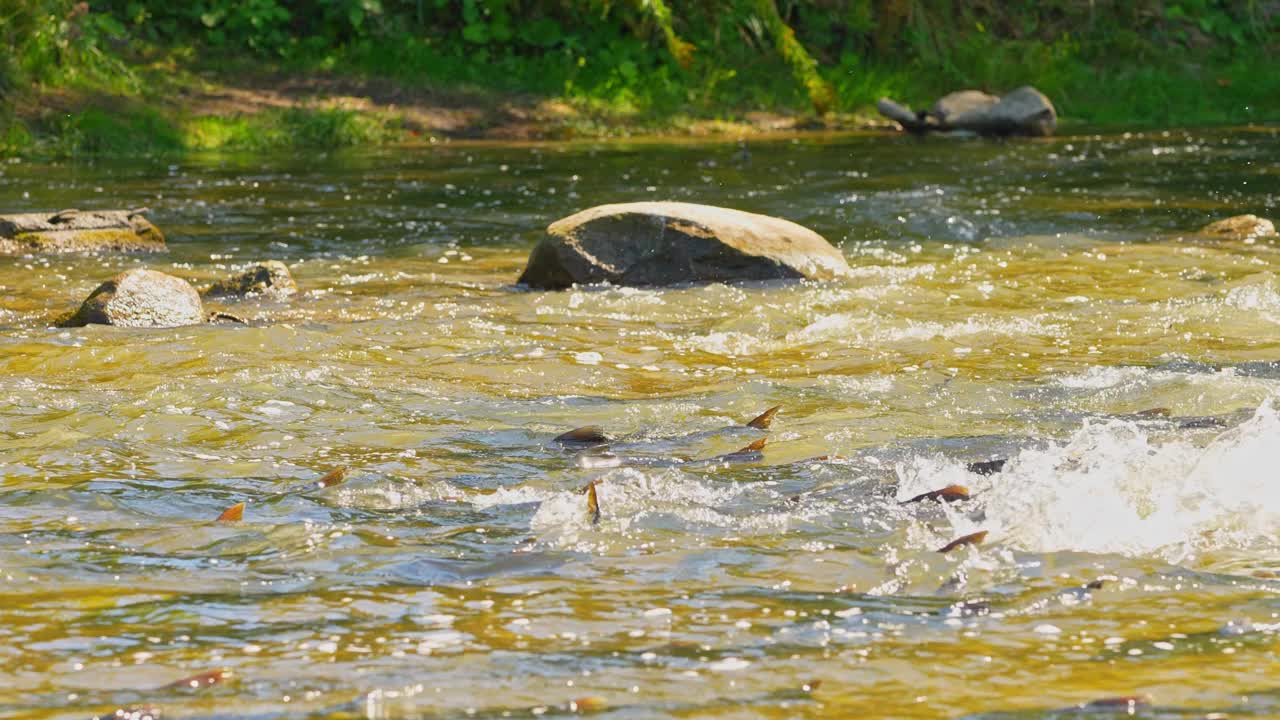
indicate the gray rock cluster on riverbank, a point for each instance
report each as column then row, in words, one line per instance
column 1025, row 111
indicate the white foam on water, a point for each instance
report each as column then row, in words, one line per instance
column 1262, row 299
column 1113, row 488
column 629, row 497
column 730, row 344
column 865, row 328
column 1102, row 377
column 397, row 495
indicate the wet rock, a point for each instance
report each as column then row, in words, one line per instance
column 1025, row 111
column 76, row 231
column 269, row 277
column 961, row 103
column 140, row 298
column 1248, row 228
column 668, row 243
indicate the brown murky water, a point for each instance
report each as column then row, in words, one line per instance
column 1021, row 300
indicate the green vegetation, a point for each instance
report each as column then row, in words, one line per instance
column 120, row 76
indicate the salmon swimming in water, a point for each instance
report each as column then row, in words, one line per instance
column 749, row 454
column 598, row 450
column 964, row 541
column 950, row 493
column 587, row 435
column 595, row 435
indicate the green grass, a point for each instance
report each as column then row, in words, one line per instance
column 620, row 84
column 290, row 128
column 97, row 131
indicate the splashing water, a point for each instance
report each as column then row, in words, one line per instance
column 1115, row 487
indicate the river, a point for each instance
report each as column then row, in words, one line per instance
column 1032, row 301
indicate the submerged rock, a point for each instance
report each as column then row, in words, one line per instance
column 1025, row 111
column 1248, row 228
column 668, row 243
column 140, row 298
column 269, row 277
column 76, row 231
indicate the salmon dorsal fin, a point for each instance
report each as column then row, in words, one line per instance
column 593, row 502
column 755, row 447
column 235, row 513
column 963, row 540
column 333, row 477
column 764, row 419
column 588, row 434
column 950, row 493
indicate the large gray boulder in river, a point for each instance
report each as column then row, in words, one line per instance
column 668, row 243
column 140, row 298
column 77, row 231
column 269, row 277
column 1025, row 111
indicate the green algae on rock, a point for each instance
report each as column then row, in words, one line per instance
column 670, row 243
column 77, row 231
column 1248, row 228
column 140, row 298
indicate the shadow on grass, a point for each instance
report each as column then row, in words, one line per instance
column 114, row 129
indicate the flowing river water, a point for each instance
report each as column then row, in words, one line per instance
column 1018, row 300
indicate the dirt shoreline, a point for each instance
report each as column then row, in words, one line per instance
column 424, row 114
column 476, row 116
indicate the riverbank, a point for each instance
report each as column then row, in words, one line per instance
column 182, row 111
column 103, row 83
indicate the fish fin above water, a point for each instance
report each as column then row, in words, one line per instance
column 950, row 493
column 764, row 419
column 235, row 513
column 755, row 447
column 593, row 502
column 987, row 467
column 333, row 477
column 964, row 540
column 1154, row 412
column 586, row 435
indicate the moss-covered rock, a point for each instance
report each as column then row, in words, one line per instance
column 77, row 231
column 1248, row 228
